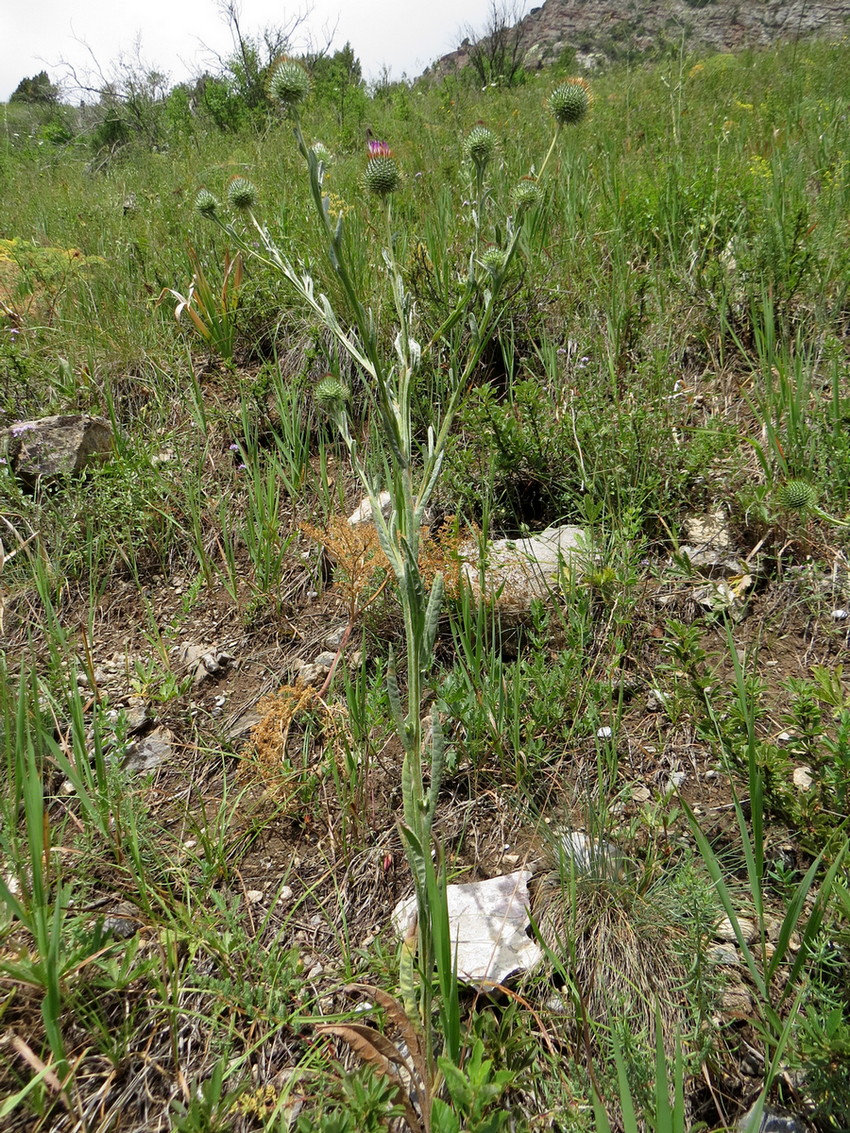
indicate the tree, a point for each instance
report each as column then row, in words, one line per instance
column 38, row 89
column 338, row 80
column 247, row 68
column 496, row 54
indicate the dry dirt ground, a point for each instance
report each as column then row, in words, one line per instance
column 264, row 773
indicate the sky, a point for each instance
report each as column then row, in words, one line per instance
column 180, row 37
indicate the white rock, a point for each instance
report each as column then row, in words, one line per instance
column 363, row 512
column 724, row 930
column 488, row 925
column 675, row 781
column 709, row 530
column 803, row 778
column 600, row 859
column 520, row 570
column 311, row 675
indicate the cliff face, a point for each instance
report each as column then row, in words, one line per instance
column 620, row 29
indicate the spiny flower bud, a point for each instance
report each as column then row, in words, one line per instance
column 205, row 203
column 288, row 82
column 525, row 194
column 479, row 146
column 241, row 193
column 330, row 394
column 322, row 153
column 493, row 260
column 570, row 101
column 381, row 175
column 796, row 495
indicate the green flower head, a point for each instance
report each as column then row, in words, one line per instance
column 205, row 203
column 570, row 102
column 241, row 193
column 796, row 495
column 322, row 153
column 381, row 175
column 331, row 395
column 288, row 82
column 493, row 261
column 479, row 146
column 525, row 194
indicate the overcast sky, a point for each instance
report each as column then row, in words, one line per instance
column 35, row 35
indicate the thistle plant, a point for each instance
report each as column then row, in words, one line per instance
column 381, row 176
column 568, row 104
column 479, row 146
column 800, row 497
column 412, row 463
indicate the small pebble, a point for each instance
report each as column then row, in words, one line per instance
column 675, row 781
column 725, row 931
column 722, row 954
column 802, row 778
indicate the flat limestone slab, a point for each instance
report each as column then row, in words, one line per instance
column 489, row 920
column 519, row 570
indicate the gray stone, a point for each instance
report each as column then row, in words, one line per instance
column 122, row 923
column 202, row 661
column 517, row 571
column 48, row 447
column 592, row 857
column 770, row 1121
column 722, row 954
column 363, row 512
column 150, row 752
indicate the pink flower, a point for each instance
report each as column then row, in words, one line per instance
column 379, row 149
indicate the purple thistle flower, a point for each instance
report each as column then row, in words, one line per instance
column 379, row 149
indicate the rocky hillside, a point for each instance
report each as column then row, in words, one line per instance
column 600, row 30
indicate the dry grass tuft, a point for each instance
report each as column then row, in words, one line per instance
column 620, row 949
